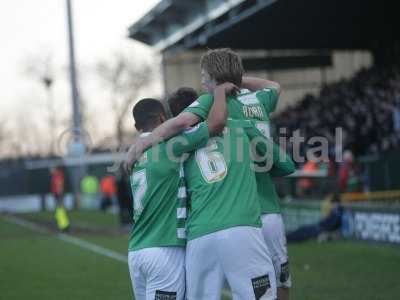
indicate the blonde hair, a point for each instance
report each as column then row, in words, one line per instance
column 223, row 65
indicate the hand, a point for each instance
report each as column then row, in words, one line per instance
column 134, row 153
column 229, row 88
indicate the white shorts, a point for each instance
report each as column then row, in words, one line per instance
column 274, row 234
column 158, row 273
column 237, row 254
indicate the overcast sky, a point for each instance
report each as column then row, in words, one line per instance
column 30, row 28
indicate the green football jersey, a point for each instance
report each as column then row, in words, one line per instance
column 254, row 106
column 221, row 180
column 246, row 105
column 155, row 182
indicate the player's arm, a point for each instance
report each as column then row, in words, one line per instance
column 282, row 164
column 166, row 130
column 189, row 140
column 172, row 127
column 219, row 112
column 255, row 84
column 197, row 111
column 196, row 137
column 267, row 91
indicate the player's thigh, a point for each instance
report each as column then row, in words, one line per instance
column 204, row 277
column 275, row 238
column 165, row 269
column 246, row 263
column 138, row 279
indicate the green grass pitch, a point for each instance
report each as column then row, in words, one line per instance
column 40, row 265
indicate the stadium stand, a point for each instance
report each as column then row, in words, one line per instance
column 366, row 107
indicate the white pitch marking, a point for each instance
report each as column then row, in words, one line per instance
column 26, row 224
column 78, row 242
column 69, row 239
column 92, row 247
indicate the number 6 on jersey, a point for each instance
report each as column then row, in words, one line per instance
column 211, row 163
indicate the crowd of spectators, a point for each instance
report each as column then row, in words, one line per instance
column 366, row 108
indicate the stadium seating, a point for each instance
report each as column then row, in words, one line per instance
column 366, row 107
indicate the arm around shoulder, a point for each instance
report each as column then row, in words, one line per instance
column 254, row 84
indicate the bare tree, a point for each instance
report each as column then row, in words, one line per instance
column 40, row 67
column 3, row 138
column 2, row 132
column 23, row 138
column 124, row 79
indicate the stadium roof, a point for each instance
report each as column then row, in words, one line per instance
column 267, row 24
